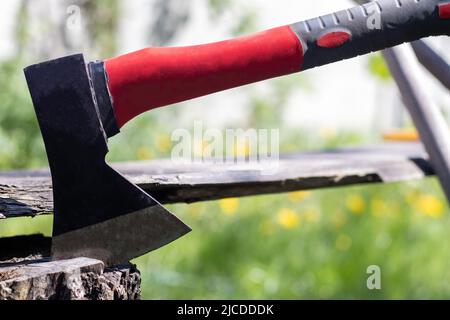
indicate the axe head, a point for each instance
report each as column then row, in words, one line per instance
column 98, row 213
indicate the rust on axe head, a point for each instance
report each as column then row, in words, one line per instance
column 97, row 212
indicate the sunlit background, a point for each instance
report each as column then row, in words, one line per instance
column 288, row 246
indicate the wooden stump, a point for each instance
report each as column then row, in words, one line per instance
column 34, row 277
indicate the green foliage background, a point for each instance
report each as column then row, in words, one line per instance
column 289, row 246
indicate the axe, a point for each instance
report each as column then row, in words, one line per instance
column 100, row 214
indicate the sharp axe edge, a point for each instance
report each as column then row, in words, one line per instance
column 122, row 238
column 76, row 144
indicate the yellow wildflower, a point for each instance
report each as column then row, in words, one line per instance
column 163, row 143
column 229, row 206
column 343, row 242
column 430, row 206
column 380, row 207
column 198, row 147
column 202, row 148
column 355, row 203
column 288, row 218
column 144, row 153
column 241, row 148
column 297, row 196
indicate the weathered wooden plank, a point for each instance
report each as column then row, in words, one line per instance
column 28, row 193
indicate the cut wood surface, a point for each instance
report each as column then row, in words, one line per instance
column 29, row 193
column 37, row 278
column 27, row 274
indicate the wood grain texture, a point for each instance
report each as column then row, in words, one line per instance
column 37, row 278
column 26, row 273
column 29, row 193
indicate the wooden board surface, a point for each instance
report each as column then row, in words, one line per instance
column 29, row 193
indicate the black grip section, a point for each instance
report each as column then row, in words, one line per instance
column 370, row 27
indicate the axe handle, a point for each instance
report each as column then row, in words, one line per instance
column 156, row 77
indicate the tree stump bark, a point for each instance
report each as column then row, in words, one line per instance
column 34, row 277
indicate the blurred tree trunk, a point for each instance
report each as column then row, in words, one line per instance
column 49, row 28
column 169, row 17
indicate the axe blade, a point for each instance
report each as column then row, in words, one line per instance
column 98, row 213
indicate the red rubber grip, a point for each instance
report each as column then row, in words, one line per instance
column 156, row 77
column 444, row 11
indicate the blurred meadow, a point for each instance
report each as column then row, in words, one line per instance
column 298, row 245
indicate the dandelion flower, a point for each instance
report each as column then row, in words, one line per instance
column 298, row 196
column 144, row 153
column 430, row 206
column 380, row 207
column 288, row 218
column 163, row 143
column 229, row 206
column 355, row 203
column 241, row 148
